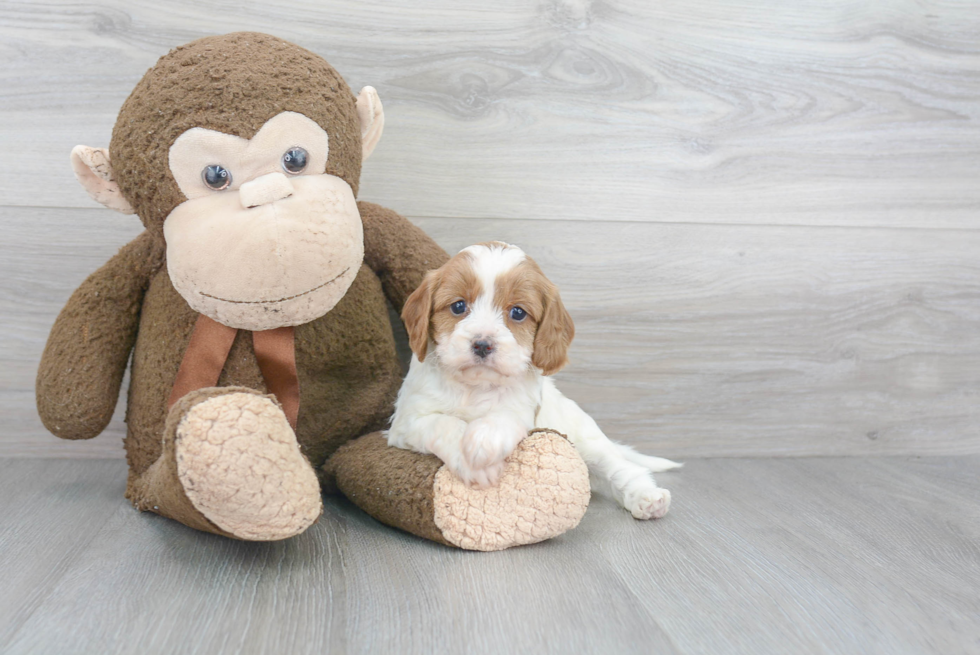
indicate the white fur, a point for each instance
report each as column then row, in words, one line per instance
column 473, row 413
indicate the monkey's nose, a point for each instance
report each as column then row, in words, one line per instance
column 265, row 189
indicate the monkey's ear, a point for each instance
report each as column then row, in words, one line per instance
column 93, row 170
column 372, row 116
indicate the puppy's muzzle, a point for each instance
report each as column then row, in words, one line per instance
column 482, row 348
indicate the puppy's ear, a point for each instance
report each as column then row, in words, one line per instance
column 554, row 335
column 416, row 314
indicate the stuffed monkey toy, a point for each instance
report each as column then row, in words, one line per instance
column 253, row 311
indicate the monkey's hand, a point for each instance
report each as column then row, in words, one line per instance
column 84, row 361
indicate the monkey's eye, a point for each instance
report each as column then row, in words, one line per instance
column 294, row 161
column 216, row 177
column 458, row 307
column 517, row 314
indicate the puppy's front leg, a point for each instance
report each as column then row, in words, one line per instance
column 430, row 434
column 627, row 472
column 489, row 440
column 473, row 451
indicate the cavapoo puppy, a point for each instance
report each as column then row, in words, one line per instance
column 486, row 331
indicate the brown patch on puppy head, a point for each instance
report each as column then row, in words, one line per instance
column 426, row 313
column 522, row 286
column 457, row 281
column 548, row 327
column 232, row 84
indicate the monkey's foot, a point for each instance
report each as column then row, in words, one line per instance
column 543, row 492
column 232, row 465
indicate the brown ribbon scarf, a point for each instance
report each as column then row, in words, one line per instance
column 207, row 353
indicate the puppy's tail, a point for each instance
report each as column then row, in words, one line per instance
column 655, row 464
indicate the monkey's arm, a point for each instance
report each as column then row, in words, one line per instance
column 398, row 251
column 88, row 349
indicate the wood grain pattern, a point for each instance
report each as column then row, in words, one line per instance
column 816, row 555
column 692, row 340
column 49, row 513
column 763, row 217
column 44, row 256
column 765, row 340
column 837, row 555
column 847, row 113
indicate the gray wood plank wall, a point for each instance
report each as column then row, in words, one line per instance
column 762, row 215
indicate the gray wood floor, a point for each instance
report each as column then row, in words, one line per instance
column 821, row 555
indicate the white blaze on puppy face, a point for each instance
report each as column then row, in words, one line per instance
column 278, row 244
column 485, row 318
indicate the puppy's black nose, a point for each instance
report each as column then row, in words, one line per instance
column 482, row 348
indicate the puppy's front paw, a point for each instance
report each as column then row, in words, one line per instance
column 488, row 441
column 479, row 477
column 651, row 502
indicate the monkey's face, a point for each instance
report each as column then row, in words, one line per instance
column 265, row 238
column 243, row 152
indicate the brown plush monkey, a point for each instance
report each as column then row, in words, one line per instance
column 254, row 307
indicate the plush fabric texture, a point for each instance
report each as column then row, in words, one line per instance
column 346, row 361
column 543, row 492
column 83, row 363
column 230, row 465
column 246, row 159
column 233, row 84
column 263, row 190
column 223, row 459
column 372, row 119
column 398, row 251
column 318, row 248
column 395, row 486
column 240, row 466
column 158, row 489
column 348, row 368
column 94, row 172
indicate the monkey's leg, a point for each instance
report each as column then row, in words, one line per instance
column 231, row 465
column 543, row 492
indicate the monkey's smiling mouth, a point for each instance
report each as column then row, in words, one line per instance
column 272, row 302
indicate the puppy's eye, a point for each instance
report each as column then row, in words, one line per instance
column 294, row 161
column 216, row 177
column 517, row 314
column 458, row 307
